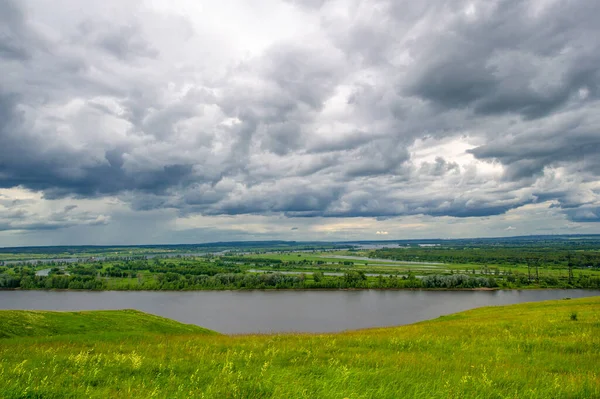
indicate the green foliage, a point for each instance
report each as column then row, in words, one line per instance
column 458, row 281
column 9, row 281
column 522, row 351
column 318, row 277
column 557, row 255
column 574, row 316
column 465, row 264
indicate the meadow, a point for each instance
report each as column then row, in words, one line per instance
column 535, row 350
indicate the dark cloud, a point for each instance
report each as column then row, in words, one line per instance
column 440, row 167
column 364, row 115
column 572, row 143
column 508, row 57
column 27, row 160
column 584, row 214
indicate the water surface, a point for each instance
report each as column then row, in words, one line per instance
column 236, row 312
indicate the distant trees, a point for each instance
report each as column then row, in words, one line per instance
column 223, row 273
column 317, row 277
column 8, row 281
column 354, row 279
column 458, row 281
column 535, row 256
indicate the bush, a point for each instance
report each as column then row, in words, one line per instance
column 458, row 281
column 574, row 316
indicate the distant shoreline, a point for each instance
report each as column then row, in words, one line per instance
column 314, row 289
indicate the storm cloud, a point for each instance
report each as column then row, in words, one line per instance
column 299, row 109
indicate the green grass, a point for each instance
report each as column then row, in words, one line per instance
column 24, row 323
column 530, row 350
column 330, row 257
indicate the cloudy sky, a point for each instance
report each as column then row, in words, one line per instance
column 183, row 121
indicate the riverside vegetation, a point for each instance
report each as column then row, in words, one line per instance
column 547, row 262
column 535, row 350
column 274, row 273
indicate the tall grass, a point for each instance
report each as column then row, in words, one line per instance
column 522, row 351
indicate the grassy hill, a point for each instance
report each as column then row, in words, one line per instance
column 24, row 323
column 537, row 350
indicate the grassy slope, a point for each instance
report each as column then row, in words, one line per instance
column 22, row 323
column 522, row 351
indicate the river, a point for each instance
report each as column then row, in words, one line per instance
column 239, row 312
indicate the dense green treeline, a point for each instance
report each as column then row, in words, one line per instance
column 234, row 281
column 560, row 257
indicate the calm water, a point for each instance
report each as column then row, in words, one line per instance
column 235, row 312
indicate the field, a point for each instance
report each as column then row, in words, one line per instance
column 537, row 350
column 519, row 262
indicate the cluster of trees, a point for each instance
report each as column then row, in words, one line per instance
column 62, row 282
column 518, row 280
column 176, row 281
column 458, row 281
column 491, row 255
column 9, row 281
column 160, row 281
column 186, row 268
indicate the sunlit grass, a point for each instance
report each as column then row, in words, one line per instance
column 523, row 351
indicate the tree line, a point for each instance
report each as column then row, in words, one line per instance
column 490, row 255
column 234, row 281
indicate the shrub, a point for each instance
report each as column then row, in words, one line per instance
column 574, row 316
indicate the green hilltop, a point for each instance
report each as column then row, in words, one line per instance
column 31, row 323
column 535, row 350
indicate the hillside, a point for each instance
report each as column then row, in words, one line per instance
column 537, row 350
column 24, row 323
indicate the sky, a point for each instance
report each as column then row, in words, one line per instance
column 188, row 121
